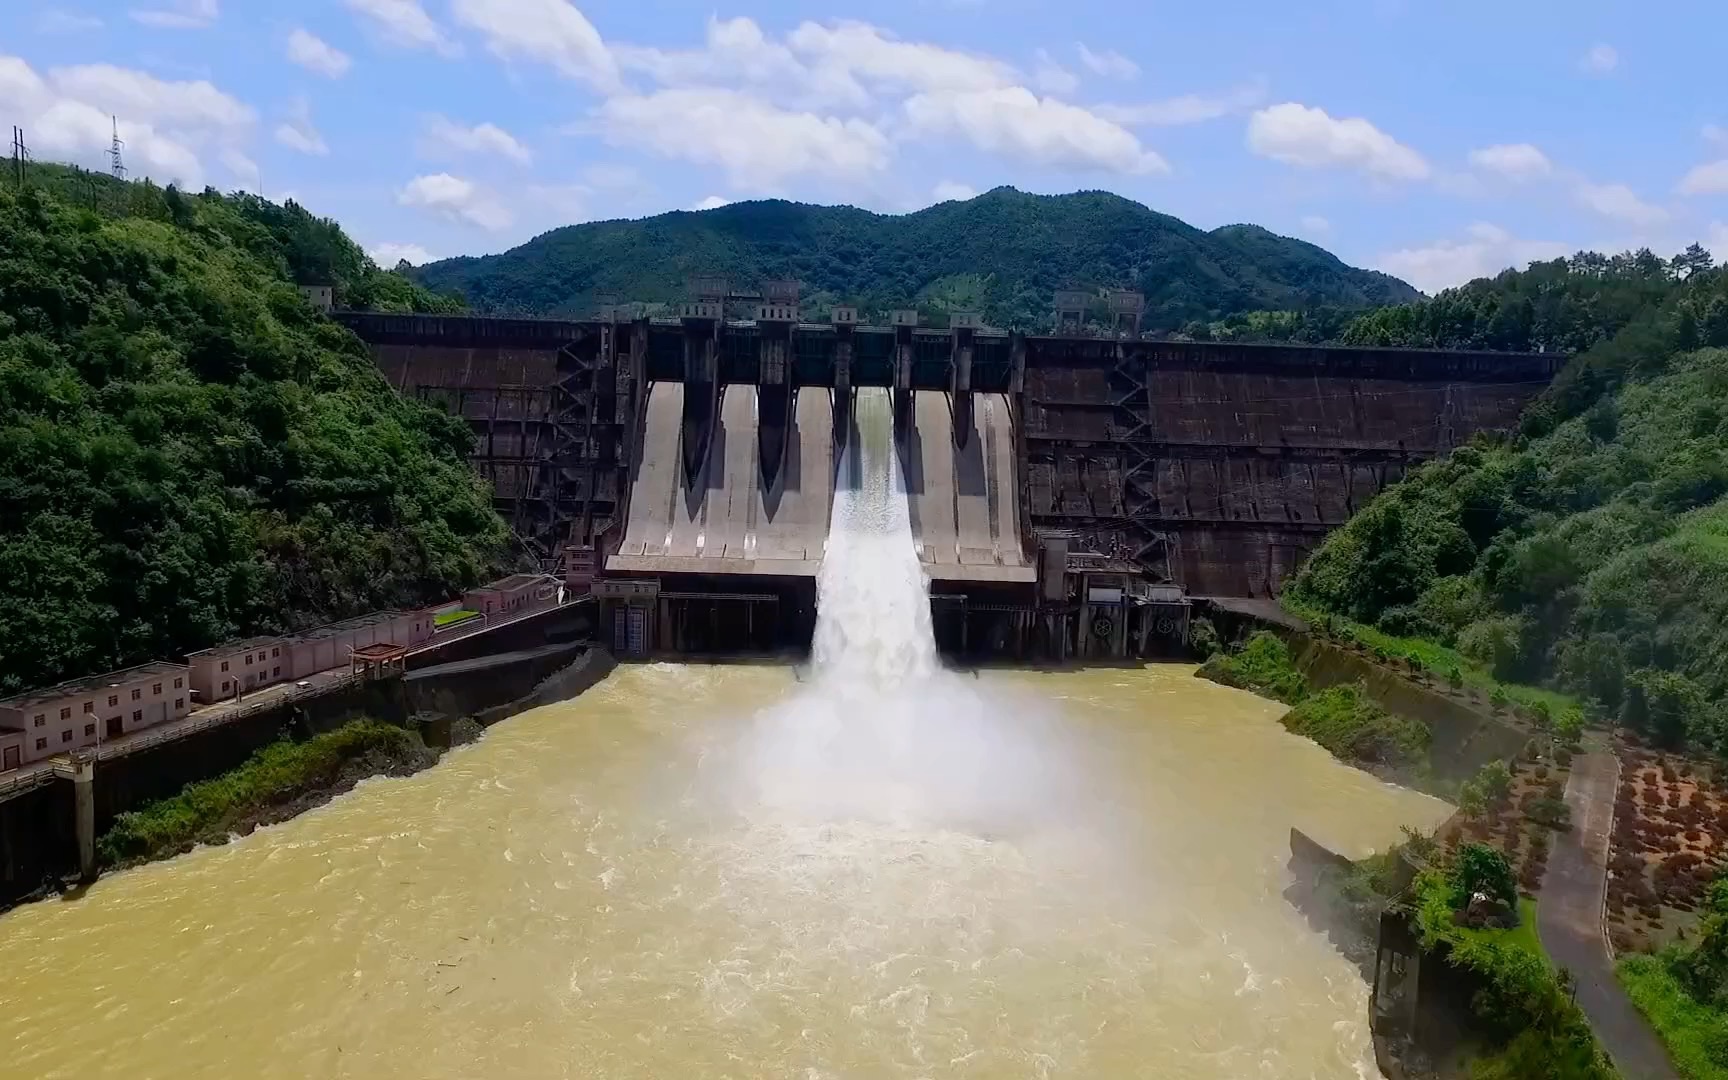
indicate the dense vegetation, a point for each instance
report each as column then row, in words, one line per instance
column 1349, row 723
column 1002, row 253
column 188, row 451
column 1684, row 992
column 206, row 812
column 1262, row 664
column 1589, row 552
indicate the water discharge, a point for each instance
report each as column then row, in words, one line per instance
column 873, row 868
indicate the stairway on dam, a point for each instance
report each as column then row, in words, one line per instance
column 725, row 517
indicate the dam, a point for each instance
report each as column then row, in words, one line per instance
column 1068, row 494
column 870, row 866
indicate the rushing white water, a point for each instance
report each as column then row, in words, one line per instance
column 880, row 731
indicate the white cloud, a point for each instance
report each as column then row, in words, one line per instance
column 1514, row 161
column 1619, row 202
column 1109, row 63
column 58, row 21
column 1052, row 77
column 712, row 202
column 446, row 138
column 298, row 133
column 68, row 114
column 1707, row 179
column 864, row 53
column 405, row 23
column 1316, row 225
column 388, row 255
column 316, row 55
column 1484, row 251
column 737, row 53
column 1299, row 135
column 757, row 144
column 551, row 32
column 1187, row 108
column 1013, row 122
column 242, row 168
column 950, row 190
column 456, row 199
column 1600, row 60
column 1717, row 240
column 178, row 15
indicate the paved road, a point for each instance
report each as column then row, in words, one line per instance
column 1569, row 920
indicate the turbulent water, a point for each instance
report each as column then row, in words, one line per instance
column 869, row 868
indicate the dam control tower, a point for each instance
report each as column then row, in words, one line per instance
column 1068, row 494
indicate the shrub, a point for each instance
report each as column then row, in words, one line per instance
column 1480, row 868
column 1496, row 780
column 1550, row 812
column 209, row 809
column 1203, row 638
column 1346, row 721
column 1263, row 665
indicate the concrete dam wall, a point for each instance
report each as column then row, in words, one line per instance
column 713, row 442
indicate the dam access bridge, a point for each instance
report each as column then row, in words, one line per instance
column 1068, row 494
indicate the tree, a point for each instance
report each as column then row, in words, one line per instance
column 1480, row 868
column 1694, row 260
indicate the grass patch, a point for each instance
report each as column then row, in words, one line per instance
column 1695, row 1033
column 1262, row 664
column 1523, row 936
column 1346, row 721
column 1438, row 660
column 448, row 618
column 210, row 809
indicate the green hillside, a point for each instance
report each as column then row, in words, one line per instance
column 1003, row 252
column 190, row 452
column 1589, row 553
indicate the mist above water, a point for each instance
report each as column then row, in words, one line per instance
column 879, row 731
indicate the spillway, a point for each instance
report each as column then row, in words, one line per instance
column 881, row 869
column 729, row 515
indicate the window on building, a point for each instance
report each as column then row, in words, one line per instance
column 274, row 653
column 224, row 686
column 89, row 706
column 138, row 693
column 89, row 730
column 155, row 689
column 177, row 682
column 275, row 673
column 66, row 736
column 137, row 716
column 248, row 658
column 113, row 700
column 224, row 665
column 40, row 720
column 41, row 744
column 179, row 703
column 66, row 713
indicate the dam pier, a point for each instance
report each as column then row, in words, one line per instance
column 1069, row 495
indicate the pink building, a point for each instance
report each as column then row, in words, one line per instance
column 515, row 595
column 237, row 667
column 83, row 712
column 329, row 646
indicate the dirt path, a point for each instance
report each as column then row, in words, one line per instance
column 1569, row 920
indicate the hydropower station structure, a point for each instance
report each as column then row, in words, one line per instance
column 1069, row 494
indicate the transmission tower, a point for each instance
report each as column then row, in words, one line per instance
column 115, row 164
column 20, row 154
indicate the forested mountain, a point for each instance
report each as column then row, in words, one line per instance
column 188, row 451
column 1591, row 551
column 1003, row 253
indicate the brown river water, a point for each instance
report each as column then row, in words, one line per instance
column 691, row 872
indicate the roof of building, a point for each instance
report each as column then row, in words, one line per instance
column 343, row 626
column 241, row 645
column 380, row 650
column 91, row 684
column 516, row 581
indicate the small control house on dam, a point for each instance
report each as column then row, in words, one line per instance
column 1068, row 493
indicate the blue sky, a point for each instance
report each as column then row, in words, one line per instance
column 1435, row 141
